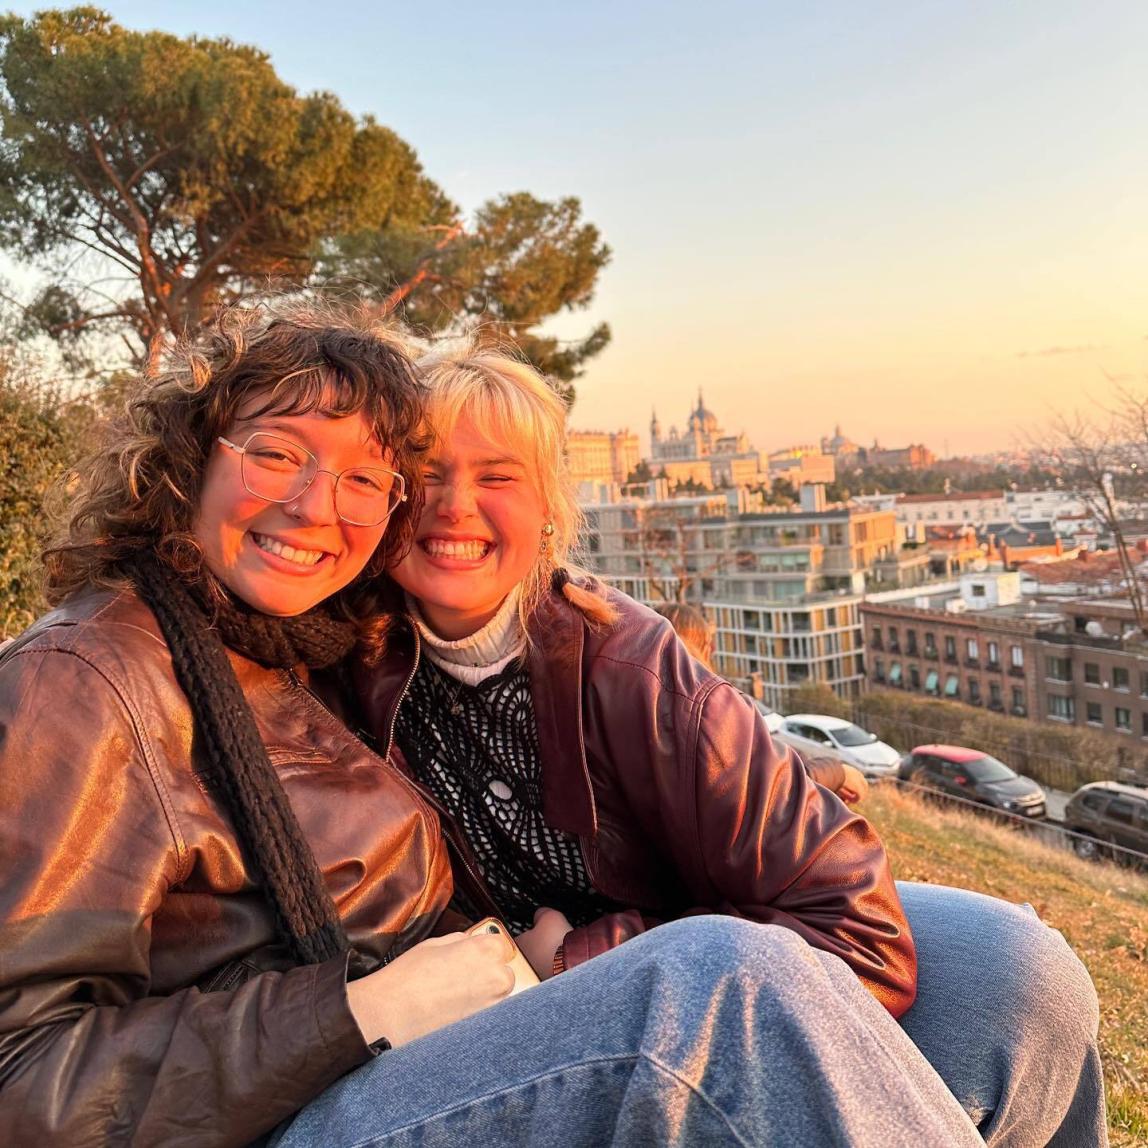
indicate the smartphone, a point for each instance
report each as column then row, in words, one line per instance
column 524, row 976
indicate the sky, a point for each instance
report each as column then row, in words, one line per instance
column 924, row 221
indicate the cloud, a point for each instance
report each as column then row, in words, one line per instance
column 1048, row 352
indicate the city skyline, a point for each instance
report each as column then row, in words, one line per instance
column 919, row 220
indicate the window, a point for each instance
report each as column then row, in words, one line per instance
column 1123, row 719
column 894, row 641
column 1059, row 669
column 972, row 650
column 1144, row 684
column 974, row 691
column 932, row 682
column 1144, row 724
column 914, row 677
column 911, row 642
column 895, row 674
column 978, row 589
column 1063, row 709
column 1120, row 678
column 994, row 654
column 950, row 648
column 995, row 696
column 1018, row 706
column 1094, row 713
column 952, row 686
column 930, row 644
column 1120, row 810
column 1091, row 674
column 1016, row 656
column 878, row 669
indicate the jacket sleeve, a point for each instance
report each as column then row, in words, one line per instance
column 89, row 846
column 759, row 840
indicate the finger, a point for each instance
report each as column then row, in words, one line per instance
column 493, row 947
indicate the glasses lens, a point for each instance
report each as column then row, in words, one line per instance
column 276, row 468
column 365, row 496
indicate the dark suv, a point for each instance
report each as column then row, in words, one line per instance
column 975, row 776
column 1107, row 813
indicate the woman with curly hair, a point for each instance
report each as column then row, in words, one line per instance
column 223, row 916
column 598, row 782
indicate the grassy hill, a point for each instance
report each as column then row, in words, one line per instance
column 1102, row 910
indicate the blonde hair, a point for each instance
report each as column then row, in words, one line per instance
column 510, row 403
column 691, row 625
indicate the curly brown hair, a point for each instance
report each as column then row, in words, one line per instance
column 140, row 489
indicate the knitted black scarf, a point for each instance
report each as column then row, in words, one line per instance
column 239, row 769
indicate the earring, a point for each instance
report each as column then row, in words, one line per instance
column 547, row 534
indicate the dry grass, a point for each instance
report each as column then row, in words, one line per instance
column 1102, row 911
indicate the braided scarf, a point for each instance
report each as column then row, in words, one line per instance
column 269, row 834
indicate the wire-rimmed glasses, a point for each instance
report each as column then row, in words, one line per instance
column 279, row 470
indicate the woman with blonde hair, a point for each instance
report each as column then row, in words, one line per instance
column 596, row 782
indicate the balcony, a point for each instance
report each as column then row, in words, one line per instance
column 1016, row 671
column 875, row 642
column 995, row 667
column 931, row 653
column 972, row 662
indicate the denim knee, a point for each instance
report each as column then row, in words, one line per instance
column 713, row 949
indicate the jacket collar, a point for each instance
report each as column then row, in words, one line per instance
column 554, row 665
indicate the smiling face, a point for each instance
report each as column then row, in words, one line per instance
column 479, row 534
column 284, row 558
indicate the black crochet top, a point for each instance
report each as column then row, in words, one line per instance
column 476, row 749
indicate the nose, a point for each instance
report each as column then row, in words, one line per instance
column 455, row 501
column 316, row 505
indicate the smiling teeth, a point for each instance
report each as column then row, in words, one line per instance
column 441, row 548
column 302, row 557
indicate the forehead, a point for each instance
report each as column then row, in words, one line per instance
column 473, row 438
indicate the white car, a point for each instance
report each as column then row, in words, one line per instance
column 819, row 733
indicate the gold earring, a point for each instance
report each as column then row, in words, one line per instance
column 547, row 534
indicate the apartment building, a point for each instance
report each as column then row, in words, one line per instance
column 966, row 640
column 1079, row 662
column 783, row 588
column 601, row 456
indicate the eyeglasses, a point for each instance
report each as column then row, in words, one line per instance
column 279, row 470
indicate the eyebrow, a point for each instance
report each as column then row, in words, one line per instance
column 271, row 423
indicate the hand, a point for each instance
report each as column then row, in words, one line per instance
column 431, row 985
column 539, row 944
column 854, row 788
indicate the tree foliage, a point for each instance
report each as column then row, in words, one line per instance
column 40, row 437
column 158, row 177
column 524, row 260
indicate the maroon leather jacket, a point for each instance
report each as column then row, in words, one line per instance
column 681, row 801
column 125, row 898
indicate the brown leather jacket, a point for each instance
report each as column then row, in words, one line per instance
column 682, row 802
column 123, row 896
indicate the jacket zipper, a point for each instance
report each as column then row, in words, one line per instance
column 450, row 828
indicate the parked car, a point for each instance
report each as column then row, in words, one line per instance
column 773, row 720
column 819, row 733
column 1108, row 813
column 975, row 776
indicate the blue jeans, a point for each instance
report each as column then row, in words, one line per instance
column 714, row 1031
column 1007, row 1015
